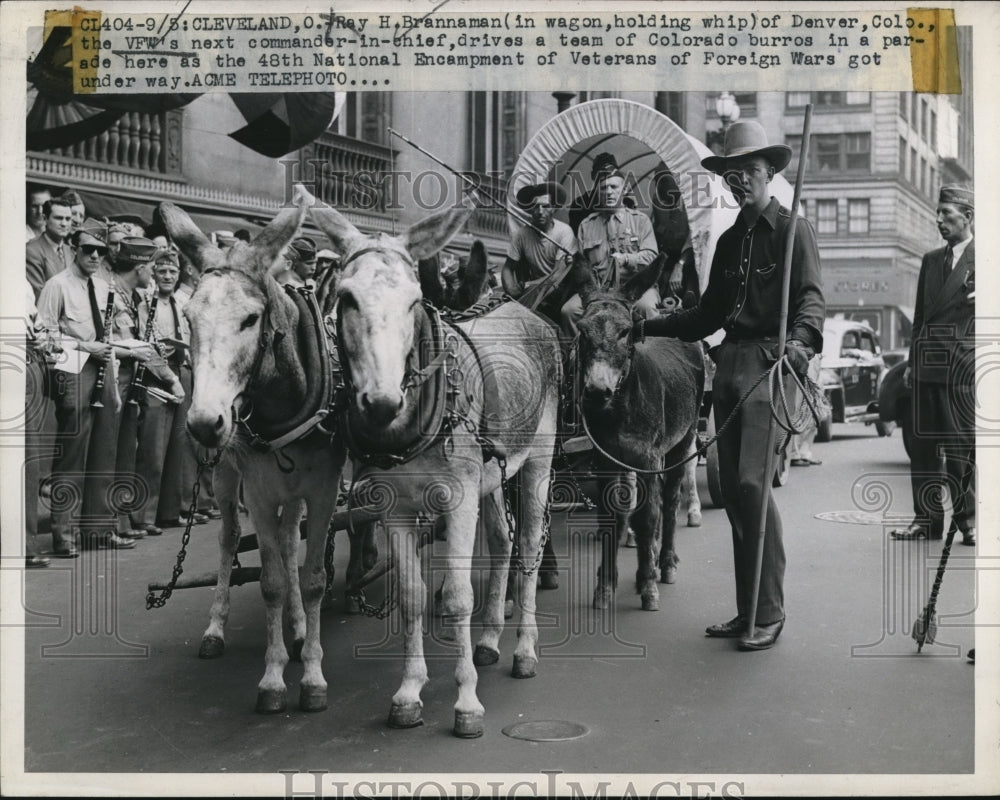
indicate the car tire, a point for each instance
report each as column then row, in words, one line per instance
column 712, row 465
column 885, row 428
column 824, row 431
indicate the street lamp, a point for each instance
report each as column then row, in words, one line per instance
column 729, row 111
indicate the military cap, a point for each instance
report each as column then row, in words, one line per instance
column 957, row 194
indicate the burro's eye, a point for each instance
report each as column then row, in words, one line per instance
column 249, row 322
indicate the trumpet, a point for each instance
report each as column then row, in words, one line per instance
column 96, row 394
column 137, row 386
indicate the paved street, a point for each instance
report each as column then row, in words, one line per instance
column 111, row 686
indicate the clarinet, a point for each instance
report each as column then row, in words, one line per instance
column 137, row 386
column 109, row 312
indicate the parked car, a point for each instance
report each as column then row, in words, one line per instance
column 895, row 404
column 850, row 374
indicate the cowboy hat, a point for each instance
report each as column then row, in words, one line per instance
column 746, row 139
column 526, row 194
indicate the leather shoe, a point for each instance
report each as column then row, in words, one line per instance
column 763, row 637
column 116, row 542
column 135, row 533
column 727, row 630
column 152, row 529
column 910, row 532
column 36, row 562
column 969, row 537
column 169, row 523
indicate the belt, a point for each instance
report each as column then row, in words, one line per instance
column 755, row 340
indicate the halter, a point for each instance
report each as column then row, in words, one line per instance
column 633, row 339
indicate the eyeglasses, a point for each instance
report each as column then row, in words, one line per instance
column 90, row 249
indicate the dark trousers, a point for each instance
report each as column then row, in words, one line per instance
column 37, row 408
column 77, row 426
column 155, row 428
column 128, row 490
column 742, row 448
column 943, row 454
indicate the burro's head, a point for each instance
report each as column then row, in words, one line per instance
column 228, row 314
column 378, row 308
column 606, row 342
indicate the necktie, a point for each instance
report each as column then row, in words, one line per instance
column 177, row 320
column 949, row 258
column 95, row 311
column 60, row 254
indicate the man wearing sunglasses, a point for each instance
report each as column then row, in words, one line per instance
column 71, row 309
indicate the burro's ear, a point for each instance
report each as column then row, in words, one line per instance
column 637, row 285
column 582, row 278
column 335, row 225
column 268, row 244
column 425, row 238
column 194, row 244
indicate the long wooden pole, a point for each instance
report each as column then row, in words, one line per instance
column 786, row 280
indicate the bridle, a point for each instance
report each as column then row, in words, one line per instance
column 633, row 339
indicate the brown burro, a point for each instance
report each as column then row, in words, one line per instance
column 640, row 403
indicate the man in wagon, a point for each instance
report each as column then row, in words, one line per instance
column 541, row 247
column 743, row 297
column 617, row 241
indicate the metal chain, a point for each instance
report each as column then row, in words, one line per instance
column 385, row 608
column 152, row 601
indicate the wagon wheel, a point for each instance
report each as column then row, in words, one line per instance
column 712, row 465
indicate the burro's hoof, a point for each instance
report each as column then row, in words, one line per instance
column 694, row 519
column 548, row 581
column 211, row 647
column 312, row 698
column 271, row 701
column 483, row 656
column 508, row 609
column 524, row 667
column 353, row 605
column 650, row 602
column 407, row 716
column 469, row 724
column 297, row 646
column 668, row 574
column 603, row 597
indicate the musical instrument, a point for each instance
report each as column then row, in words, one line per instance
column 109, row 312
column 137, row 386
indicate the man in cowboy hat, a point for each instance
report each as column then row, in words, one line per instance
column 744, row 298
column 942, row 371
column 541, row 246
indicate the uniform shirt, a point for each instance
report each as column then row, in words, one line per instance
column 529, row 247
column 626, row 231
column 64, row 305
column 743, row 296
column 170, row 324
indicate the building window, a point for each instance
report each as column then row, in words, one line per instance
column 496, row 131
column 840, row 152
column 826, row 216
column 933, row 133
column 365, row 116
column 828, row 100
column 923, row 174
column 913, row 166
column 858, row 216
column 902, row 157
column 932, row 185
column 914, row 106
column 902, row 104
column 923, row 120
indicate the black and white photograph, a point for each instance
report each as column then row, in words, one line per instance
column 430, row 399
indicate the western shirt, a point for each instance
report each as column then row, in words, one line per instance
column 743, row 296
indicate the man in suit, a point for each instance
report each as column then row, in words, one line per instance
column 942, row 370
column 50, row 253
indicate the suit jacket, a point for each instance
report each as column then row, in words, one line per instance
column 41, row 261
column 944, row 320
